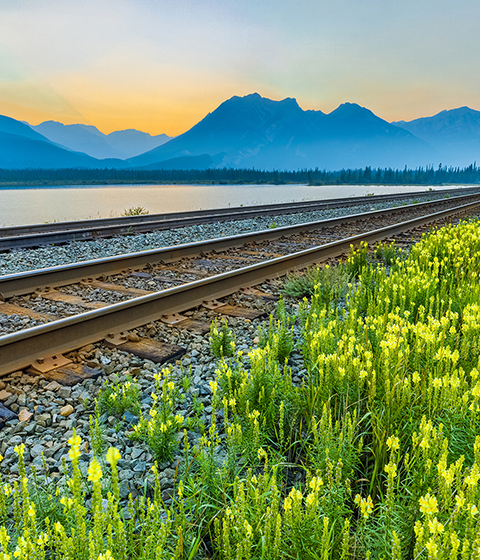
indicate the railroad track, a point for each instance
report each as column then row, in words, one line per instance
column 34, row 235
column 161, row 284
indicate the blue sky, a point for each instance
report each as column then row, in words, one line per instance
column 161, row 65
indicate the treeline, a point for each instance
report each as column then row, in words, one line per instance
column 367, row 176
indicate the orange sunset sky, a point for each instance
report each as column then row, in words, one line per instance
column 162, row 65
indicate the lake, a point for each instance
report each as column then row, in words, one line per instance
column 32, row 205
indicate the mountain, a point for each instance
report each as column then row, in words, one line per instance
column 455, row 134
column 253, row 131
column 22, row 147
column 133, row 142
column 88, row 139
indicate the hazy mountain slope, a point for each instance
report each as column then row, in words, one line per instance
column 80, row 138
column 133, row 142
column 203, row 161
column 253, row 131
column 455, row 134
column 17, row 152
column 23, row 147
column 352, row 136
column 89, row 140
column 12, row 126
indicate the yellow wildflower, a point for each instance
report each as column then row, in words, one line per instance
column 113, row 455
column 366, row 505
column 19, row 449
column 248, row 529
column 74, row 440
column 435, row 526
column 393, row 443
column 316, row 483
column 106, row 556
column 94, row 471
column 428, row 504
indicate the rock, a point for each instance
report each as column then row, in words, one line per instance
column 31, row 428
column 44, row 419
column 15, row 440
column 168, row 473
column 124, row 490
column 12, row 399
column 66, row 410
column 167, row 494
column 140, row 467
column 52, row 386
column 9, row 452
column 130, row 418
column 37, row 450
column 133, row 337
column 64, row 392
column 4, row 395
column 137, row 452
column 24, row 415
column 2, row 385
column 125, row 474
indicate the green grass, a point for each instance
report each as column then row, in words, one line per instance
column 375, row 453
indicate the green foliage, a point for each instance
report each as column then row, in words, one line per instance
column 119, row 397
column 135, row 211
column 373, row 452
column 387, row 252
column 454, row 176
column 222, row 341
column 161, row 427
column 279, row 338
column 331, row 282
column 357, row 259
column 97, row 432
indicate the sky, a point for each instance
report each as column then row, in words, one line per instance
column 161, row 65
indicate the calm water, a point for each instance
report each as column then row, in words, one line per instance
column 31, row 205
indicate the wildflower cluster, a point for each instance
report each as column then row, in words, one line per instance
column 222, row 341
column 161, row 427
column 373, row 452
column 120, row 397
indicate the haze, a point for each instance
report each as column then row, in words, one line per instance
column 160, row 66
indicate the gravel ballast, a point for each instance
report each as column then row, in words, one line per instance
column 52, row 411
column 32, row 259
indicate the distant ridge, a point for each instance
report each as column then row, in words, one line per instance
column 253, row 131
column 21, row 147
column 88, row 139
column 257, row 133
column 455, row 134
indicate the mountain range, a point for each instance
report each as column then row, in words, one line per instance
column 121, row 144
column 455, row 134
column 253, row 131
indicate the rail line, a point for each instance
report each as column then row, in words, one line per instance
column 34, row 235
column 20, row 349
column 28, row 282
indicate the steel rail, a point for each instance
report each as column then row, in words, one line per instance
column 20, row 349
column 17, row 237
column 27, row 282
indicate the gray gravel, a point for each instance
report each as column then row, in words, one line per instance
column 32, row 259
column 47, row 431
column 13, row 323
